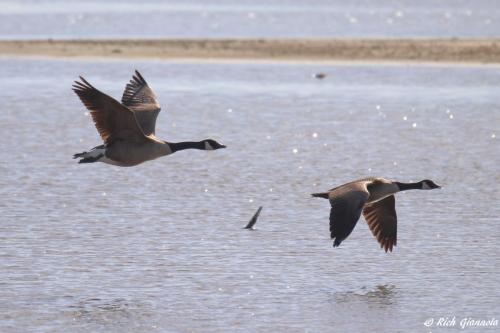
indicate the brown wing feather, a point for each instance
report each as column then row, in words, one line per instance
column 140, row 98
column 112, row 120
column 382, row 220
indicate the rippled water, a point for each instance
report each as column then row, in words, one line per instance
column 159, row 247
column 242, row 18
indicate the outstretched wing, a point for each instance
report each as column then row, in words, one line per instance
column 345, row 213
column 112, row 120
column 140, row 98
column 382, row 220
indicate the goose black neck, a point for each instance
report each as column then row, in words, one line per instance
column 176, row 146
column 409, row 186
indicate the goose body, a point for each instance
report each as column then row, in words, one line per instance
column 128, row 128
column 374, row 198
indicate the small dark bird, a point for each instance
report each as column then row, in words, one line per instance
column 254, row 219
column 374, row 197
column 319, row 76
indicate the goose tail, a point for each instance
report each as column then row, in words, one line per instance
column 323, row 195
column 92, row 156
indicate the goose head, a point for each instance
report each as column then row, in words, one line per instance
column 212, row 144
column 428, row 184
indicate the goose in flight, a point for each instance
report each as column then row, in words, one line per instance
column 128, row 128
column 374, row 197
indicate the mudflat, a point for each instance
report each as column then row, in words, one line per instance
column 432, row 50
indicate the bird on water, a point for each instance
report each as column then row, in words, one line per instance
column 374, row 197
column 128, row 128
column 252, row 222
column 319, row 76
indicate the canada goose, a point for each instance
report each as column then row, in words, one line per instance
column 252, row 222
column 374, row 197
column 128, row 128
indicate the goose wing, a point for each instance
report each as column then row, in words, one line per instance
column 382, row 220
column 347, row 204
column 112, row 120
column 140, row 98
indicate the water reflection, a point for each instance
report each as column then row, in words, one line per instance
column 102, row 311
column 385, row 294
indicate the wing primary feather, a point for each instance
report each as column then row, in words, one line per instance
column 139, row 78
column 141, row 99
column 382, row 221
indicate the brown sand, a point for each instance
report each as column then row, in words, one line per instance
column 433, row 50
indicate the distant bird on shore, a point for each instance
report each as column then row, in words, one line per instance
column 128, row 128
column 319, row 76
column 254, row 219
column 374, row 197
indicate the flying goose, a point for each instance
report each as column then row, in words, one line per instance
column 374, row 197
column 128, row 128
column 252, row 222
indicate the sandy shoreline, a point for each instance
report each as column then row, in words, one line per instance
column 426, row 50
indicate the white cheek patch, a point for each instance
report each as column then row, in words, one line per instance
column 208, row 146
column 425, row 186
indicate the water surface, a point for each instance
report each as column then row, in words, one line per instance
column 242, row 18
column 159, row 247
